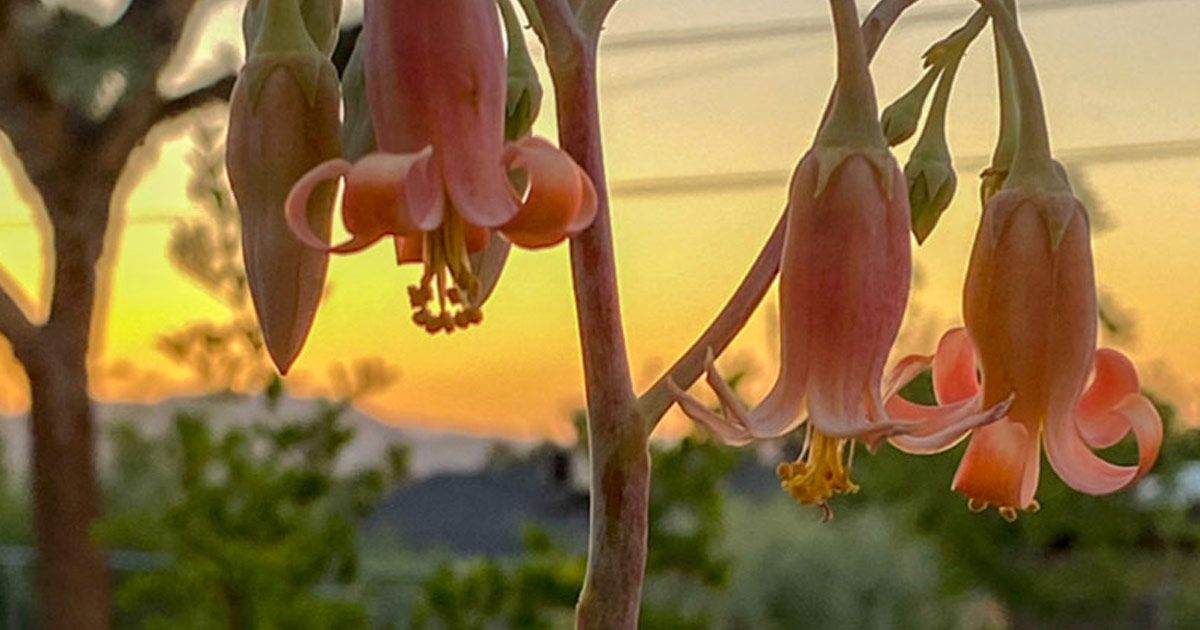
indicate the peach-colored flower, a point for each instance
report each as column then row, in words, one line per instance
column 444, row 179
column 843, row 286
column 1031, row 323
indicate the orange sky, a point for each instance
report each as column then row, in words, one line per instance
column 1114, row 73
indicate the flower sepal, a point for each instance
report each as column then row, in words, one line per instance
column 306, row 70
column 931, row 186
column 901, row 119
column 829, row 158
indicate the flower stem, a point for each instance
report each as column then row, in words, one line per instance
column 1032, row 164
column 1006, row 143
column 618, row 437
column 933, row 137
column 854, row 120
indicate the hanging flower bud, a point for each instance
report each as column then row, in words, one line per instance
column 931, row 186
column 321, row 18
column 358, row 134
column 901, row 119
column 523, row 99
column 283, row 121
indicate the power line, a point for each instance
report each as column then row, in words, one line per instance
column 807, row 27
column 748, row 180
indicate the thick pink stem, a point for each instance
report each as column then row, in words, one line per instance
column 617, row 435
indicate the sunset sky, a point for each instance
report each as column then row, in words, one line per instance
column 706, row 108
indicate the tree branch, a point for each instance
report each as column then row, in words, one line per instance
column 217, row 91
column 13, row 323
column 746, row 298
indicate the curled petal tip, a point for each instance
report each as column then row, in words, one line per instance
column 296, row 206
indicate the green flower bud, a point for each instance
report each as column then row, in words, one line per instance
column 320, row 19
column 901, row 118
column 931, row 186
column 523, row 100
column 283, row 121
column 358, row 132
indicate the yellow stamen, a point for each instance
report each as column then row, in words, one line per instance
column 822, row 471
column 448, row 283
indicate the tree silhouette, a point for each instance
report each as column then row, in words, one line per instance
column 75, row 99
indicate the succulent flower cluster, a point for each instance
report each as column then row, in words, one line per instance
column 435, row 152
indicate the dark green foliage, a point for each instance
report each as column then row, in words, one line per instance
column 535, row 593
column 253, row 525
column 1091, row 559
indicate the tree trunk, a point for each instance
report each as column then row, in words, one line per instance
column 72, row 572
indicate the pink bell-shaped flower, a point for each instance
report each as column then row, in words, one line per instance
column 1030, row 340
column 843, row 287
column 444, row 178
column 1031, row 314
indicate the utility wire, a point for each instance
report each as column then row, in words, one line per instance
column 747, row 180
column 808, row 27
column 1140, row 152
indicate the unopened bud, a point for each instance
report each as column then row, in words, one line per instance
column 318, row 17
column 901, row 119
column 283, row 121
column 523, row 99
column 358, row 132
column 931, row 186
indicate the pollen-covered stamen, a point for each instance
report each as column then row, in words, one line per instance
column 443, row 300
column 821, row 471
column 1007, row 512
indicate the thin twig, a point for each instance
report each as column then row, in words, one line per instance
column 14, row 324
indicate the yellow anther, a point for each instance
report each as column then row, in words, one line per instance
column 1008, row 513
column 442, row 300
column 822, row 471
column 975, row 505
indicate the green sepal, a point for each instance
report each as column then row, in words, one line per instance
column 830, row 158
column 523, row 96
column 320, row 18
column 358, row 130
column 901, row 118
column 931, row 186
column 305, row 69
column 1059, row 209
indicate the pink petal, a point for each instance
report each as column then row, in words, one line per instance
column 774, row 417
column 935, row 429
column 296, row 205
column 409, row 249
column 1000, row 466
column 908, row 369
column 588, row 206
column 729, row 430
column 425, row 192
column 1115, row 378
column 560, row 200
column 1074, row 461
column 954, row 376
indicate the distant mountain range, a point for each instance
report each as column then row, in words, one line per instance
column 432, row 451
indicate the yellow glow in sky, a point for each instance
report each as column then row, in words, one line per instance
column 1114, row 73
